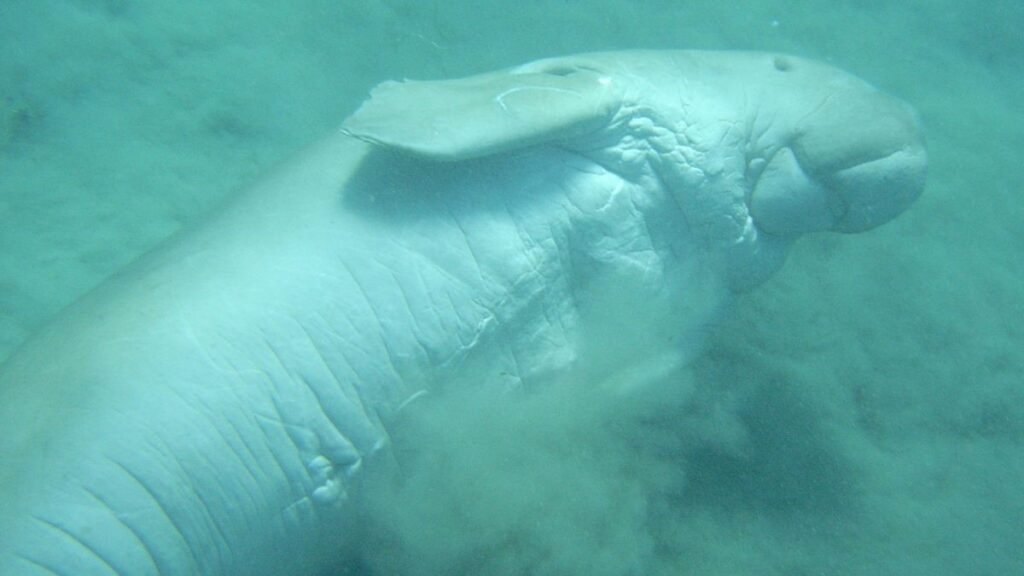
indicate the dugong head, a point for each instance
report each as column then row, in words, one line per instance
column 846, row 157
column 774, row 145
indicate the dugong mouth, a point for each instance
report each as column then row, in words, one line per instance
column 788, row 202
column 854, row 163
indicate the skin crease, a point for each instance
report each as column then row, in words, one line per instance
column 210, row 408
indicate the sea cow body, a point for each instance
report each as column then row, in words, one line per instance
column 210, row 409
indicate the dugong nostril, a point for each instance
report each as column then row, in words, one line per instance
column 782, row 64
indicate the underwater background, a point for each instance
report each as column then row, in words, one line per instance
column 862, row 413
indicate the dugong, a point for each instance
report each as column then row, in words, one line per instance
column 209, row 410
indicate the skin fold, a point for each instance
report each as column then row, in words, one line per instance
column 209, row 410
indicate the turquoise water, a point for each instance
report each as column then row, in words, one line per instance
column 862, row 413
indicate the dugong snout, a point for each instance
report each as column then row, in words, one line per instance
column 855, row 161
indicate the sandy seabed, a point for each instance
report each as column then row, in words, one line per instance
column 862, row 413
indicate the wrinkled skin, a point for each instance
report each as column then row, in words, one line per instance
column 209, row 409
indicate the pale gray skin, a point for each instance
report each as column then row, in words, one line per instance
column 209, row 410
